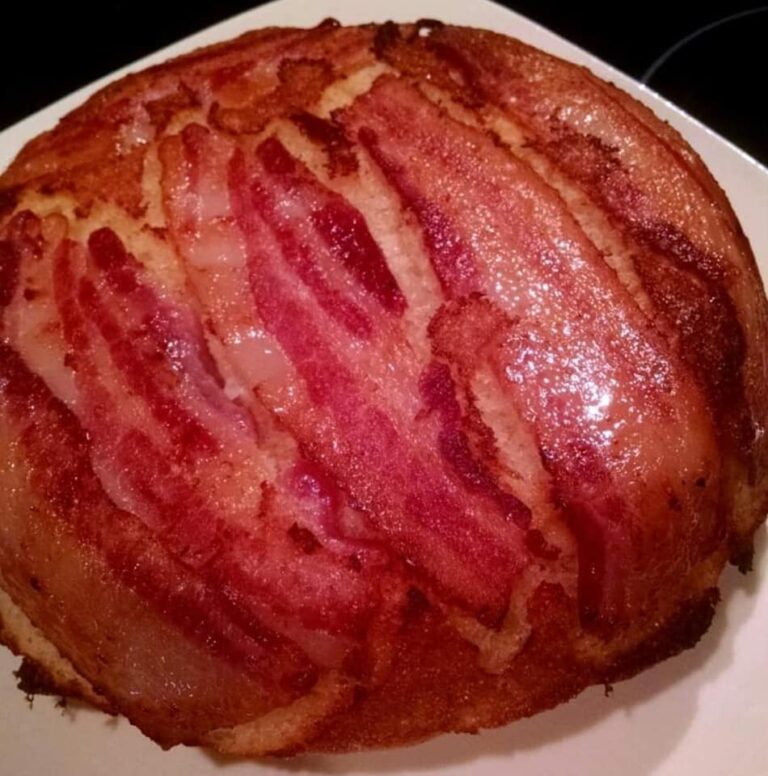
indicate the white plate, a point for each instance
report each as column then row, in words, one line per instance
column 704, row 712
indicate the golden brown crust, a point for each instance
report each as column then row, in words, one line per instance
column 435, row 681
column 43, row 670
column 425, row 666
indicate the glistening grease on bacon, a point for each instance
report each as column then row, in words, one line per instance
column 679, row 230
column 575, row 357
column 358, row 384
column 69, row 520
column 170, row 447
column 352, row 409
column 395, row 478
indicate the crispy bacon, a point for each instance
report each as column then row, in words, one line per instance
column 417, row 498
column 397, row 371
column 210, row 438
column 207, row 639
column 170, row 447
column 684, row 241
column 576, row 357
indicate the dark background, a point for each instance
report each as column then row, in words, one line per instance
column 719, row 76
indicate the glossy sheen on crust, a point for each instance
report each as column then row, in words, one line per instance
column 361, row 384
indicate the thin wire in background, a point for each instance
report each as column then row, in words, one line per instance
column 672, row 50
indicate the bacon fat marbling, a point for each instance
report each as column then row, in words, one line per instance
column 360, row 384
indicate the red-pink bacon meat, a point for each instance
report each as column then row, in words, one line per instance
column 362, row 383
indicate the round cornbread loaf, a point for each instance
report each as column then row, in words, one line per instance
column 359, row 384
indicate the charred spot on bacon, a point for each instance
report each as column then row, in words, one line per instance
column 360, row 384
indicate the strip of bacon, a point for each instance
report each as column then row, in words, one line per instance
column 354, row 410
column 554, row 100
column 9, row 272
column 439, row 392
column 451, row 257
column 172, row 448
column 686, row 240
column 299, row 256
column 341, row 227
column 65, row 548
column 572, row 350
column 412, row 489
column 224, row 527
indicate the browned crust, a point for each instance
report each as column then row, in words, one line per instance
column 33, row 678
column 435, row 683
column 43, row 671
